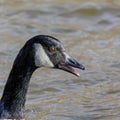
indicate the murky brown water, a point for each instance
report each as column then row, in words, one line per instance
column 90, row 31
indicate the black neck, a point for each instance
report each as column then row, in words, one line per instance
column 14, row 94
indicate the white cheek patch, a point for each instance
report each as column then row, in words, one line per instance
column 41, row 58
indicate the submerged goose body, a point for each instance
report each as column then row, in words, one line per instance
column 39, row 51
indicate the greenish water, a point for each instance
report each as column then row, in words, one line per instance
column 90, row 31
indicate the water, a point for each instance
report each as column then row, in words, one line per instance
column 90, row 31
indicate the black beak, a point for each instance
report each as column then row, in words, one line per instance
column 74, row 63
column 70, row 65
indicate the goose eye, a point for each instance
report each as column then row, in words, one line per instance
column 52, row 49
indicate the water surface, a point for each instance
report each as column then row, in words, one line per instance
column 90, row 31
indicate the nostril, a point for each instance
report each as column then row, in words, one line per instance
column 72, row 61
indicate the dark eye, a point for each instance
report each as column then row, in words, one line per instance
column 52, row 49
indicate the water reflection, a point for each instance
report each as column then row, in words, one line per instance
column 89, row 31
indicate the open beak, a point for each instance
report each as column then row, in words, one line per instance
column 71, row 65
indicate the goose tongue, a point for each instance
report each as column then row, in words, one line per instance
column 72, row 70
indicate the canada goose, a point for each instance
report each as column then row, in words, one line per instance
column 39, row 51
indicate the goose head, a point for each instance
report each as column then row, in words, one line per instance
column 48, row 51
